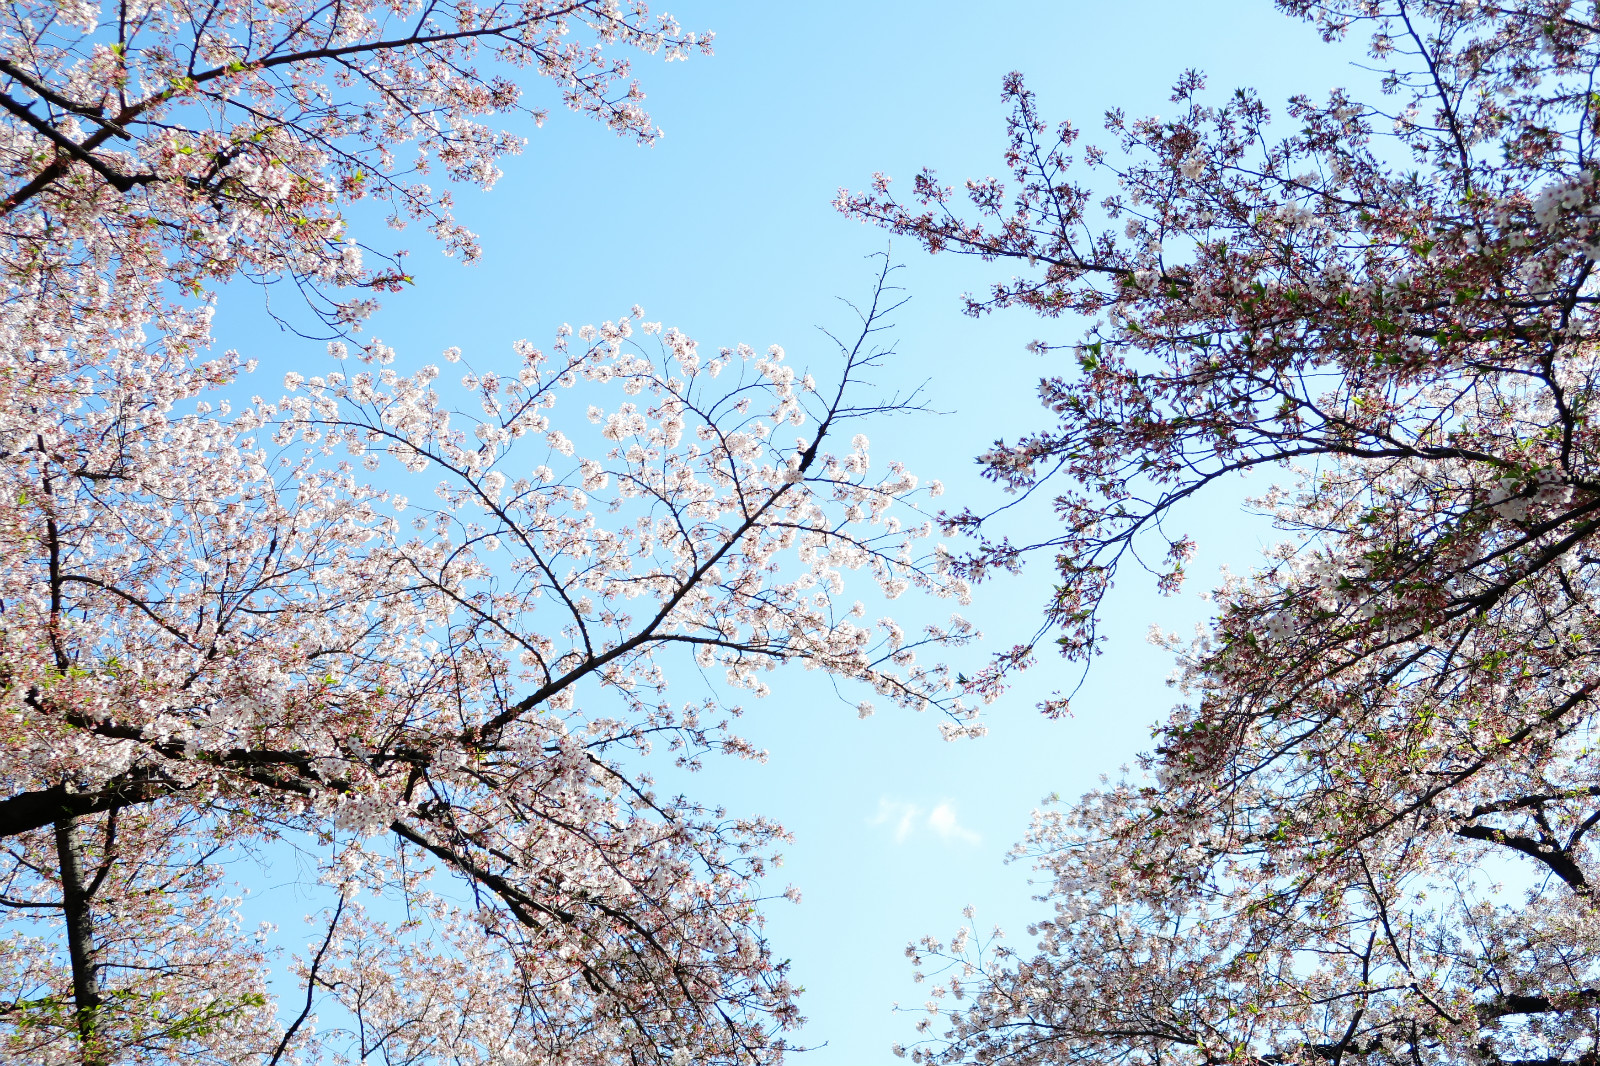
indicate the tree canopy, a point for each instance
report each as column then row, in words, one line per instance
column 227, row 634
column 1368, row 830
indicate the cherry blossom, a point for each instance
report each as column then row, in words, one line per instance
column 396, row 634
column 217, row 633
column 183, row 145
column 1367, row 832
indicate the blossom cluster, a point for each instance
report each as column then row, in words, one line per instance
column 214, row 614
column 1391, row 304
column 413, row 634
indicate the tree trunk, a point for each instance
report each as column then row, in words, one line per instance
column 80, row 940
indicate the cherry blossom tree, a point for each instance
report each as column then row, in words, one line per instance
column 217, row 636
column 1369, row 830
column 229, row 641
column 186, row 144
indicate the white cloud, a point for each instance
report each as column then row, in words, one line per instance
column 942, row 820
column 905, row 818
column 902, row 815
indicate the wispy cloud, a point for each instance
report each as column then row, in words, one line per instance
column 904, row 819
column 899, row 814
column 942, row 820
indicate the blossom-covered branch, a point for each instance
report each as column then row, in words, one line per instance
column 203, row 625
column 194, row 143
column 1390, row 301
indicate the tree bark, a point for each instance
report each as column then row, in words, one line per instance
column 76, row 900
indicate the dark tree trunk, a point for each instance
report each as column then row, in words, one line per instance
column 75, row 898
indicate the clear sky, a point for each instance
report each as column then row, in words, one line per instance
column 725, row 229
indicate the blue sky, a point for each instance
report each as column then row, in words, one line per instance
column 725, row 229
